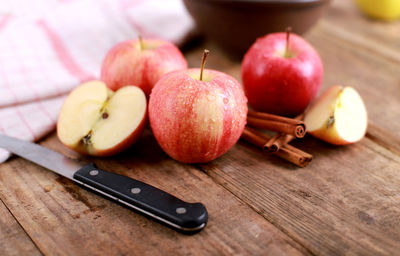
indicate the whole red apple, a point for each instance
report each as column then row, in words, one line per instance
column 281, row 75
column 140, row 62
column 197, row 118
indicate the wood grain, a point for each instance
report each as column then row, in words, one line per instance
column 13, row 239
column 346, row 21
column 384, row 138
column 346, row 202
column 62, row 218
column 376, row 79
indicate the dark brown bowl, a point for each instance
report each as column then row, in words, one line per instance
column 236, row 24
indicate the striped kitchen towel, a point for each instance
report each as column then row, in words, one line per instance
column 47, row 47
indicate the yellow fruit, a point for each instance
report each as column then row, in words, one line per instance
column 380, row 9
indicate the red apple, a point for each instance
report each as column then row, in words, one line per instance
column 197, row 117
column 281, row 75
column 140, row 62
column 97, row 121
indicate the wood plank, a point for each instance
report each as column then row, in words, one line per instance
column 62, row 218
column 351, row 24
column 13, row 239
column 384, row 138
column 372, row 74
column 347, row 201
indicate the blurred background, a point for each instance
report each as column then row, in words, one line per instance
column 65, row 40
column 60, row 38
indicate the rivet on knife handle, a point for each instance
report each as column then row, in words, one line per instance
column 151, row 201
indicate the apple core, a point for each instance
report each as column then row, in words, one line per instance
column 97, row 121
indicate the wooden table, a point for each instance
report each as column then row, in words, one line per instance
column 347, row 201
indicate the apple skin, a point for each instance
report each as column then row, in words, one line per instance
column 197, row 121
column 126, row 143
column 88, row 149
column 334, row 103
column 127, row 64
column 132, row 138
column 325, row 132
column 277, row 84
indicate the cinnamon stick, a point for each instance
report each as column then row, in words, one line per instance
column 272, row 117
column 298, row 157
column 276, row 123
column 254, row 137
column 287, row 152
column 276, row 142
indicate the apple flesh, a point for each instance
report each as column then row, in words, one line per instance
column 140, row 63
column 338, row 116
column 97, row 121
column 278, row 81
column 196, row 121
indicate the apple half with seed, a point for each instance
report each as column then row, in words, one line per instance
column 96, row 121
column 338, row 116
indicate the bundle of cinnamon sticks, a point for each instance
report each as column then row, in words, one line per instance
column 287, row 129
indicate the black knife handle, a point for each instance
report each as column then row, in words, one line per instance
column 151, row 201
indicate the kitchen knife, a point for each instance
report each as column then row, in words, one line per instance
column 139, row 196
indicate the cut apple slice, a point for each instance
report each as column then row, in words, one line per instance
column 338, row 116
column 96, row 121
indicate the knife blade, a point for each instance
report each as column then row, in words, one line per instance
column 180, row 215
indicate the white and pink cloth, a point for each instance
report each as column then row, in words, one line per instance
column 48, row 47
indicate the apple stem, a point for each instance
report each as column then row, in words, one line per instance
column 288, row 30
column 141, row 42
column 203, row 62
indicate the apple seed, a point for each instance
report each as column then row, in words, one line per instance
column 330, row 122
column 86, row 139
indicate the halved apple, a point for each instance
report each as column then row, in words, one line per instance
column 97, row 121
column 338, row 116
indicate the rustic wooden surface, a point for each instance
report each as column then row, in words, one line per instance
column 347, row 201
